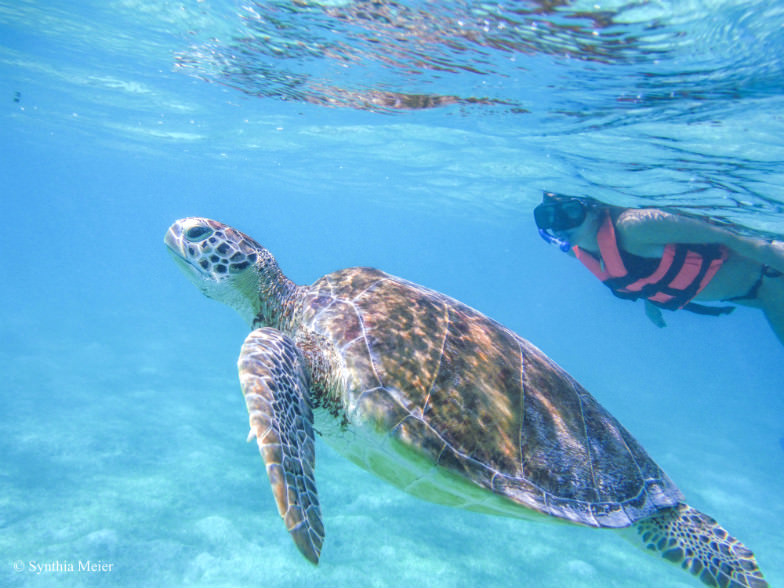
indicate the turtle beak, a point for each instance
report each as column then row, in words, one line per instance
column 173, row 239
column 175, row 244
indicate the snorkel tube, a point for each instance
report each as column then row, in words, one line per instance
column 563, row 244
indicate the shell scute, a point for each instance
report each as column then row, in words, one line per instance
column 382, row 409
column 404, row 340
column 475, row 400
column 413, row 432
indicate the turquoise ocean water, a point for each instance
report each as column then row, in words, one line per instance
column 413, row 136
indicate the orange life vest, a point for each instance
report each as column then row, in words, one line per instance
column 682, row 272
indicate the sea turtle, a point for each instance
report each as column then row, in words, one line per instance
column 437, row 399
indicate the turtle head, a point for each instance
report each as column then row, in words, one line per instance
column 225, row 264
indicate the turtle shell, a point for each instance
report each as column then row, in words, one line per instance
column 459, row 406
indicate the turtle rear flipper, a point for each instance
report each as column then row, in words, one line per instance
column 698, row 544
column 275, row 386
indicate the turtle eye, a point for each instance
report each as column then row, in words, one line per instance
column 198, row 233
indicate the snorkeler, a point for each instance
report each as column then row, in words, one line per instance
column 671, row 260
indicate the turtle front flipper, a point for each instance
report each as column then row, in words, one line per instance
column 698, row 544
column 275, row 385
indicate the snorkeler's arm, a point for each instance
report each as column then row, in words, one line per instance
column 640, row 230
column 654, row 313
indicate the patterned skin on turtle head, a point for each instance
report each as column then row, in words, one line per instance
column 225, row 264
column 214, row 249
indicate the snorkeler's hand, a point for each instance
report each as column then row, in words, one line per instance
column 654, row 313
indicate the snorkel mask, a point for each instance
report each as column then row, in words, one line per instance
column 559, row 213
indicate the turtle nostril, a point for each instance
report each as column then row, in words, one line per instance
column 198, row 233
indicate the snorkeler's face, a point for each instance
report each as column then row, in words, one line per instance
column 561, row 215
